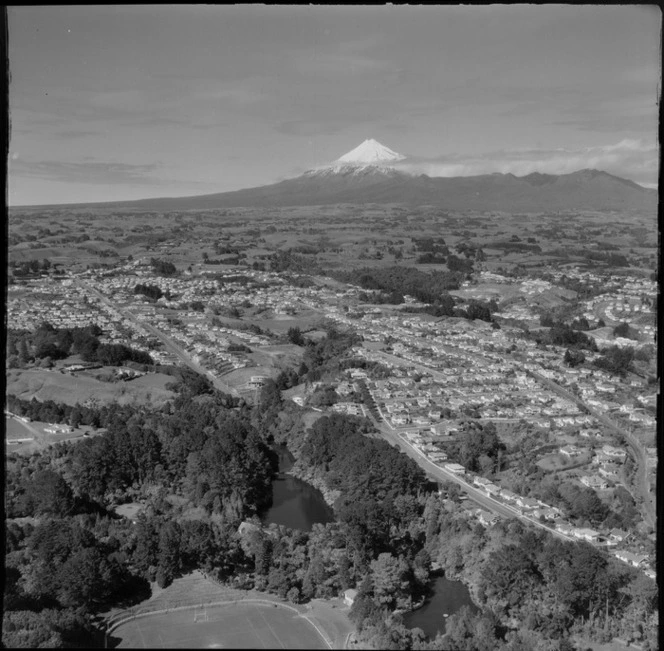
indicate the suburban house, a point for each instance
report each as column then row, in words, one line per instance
column 601, row 457
column 617, row 535
column 488, row 519
column 526, row 503
column 564, row 528
column 482, row 482
column 610, row 471
column 548, row 513
column 571, row 451
column 492, row 489
column 594, row 482
column 508, row 495
column 614, row 453
column 636, row 560
column 349, row 596
column 586, row 534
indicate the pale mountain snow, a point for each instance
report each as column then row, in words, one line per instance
column 369, row 157
column 370, row 152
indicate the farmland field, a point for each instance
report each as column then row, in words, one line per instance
column 44, row 385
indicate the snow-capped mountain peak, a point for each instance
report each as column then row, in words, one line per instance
column 370, row 152
column 368, row 159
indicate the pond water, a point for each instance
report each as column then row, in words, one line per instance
column 446, row 598
column 295, row 503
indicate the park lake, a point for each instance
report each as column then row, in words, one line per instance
column 446, row 598
column 298, row 505
column 295, row 503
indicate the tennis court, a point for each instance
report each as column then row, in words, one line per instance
column 231, row 626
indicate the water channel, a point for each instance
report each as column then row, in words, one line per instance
column 295, row 503
column 446, row 598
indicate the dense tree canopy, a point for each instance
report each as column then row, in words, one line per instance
column 200, row 465
column 398, row 282
column 477, row 441
column 616, row 360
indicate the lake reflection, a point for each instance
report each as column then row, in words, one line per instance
column 295, row 503
column 447, row 597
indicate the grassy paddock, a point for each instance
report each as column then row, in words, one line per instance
column 45, row 384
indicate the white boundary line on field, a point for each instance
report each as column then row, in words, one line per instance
column 162, row 611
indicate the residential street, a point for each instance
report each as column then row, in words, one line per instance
column 642, row 486
column 170, row 345
column 440, row 474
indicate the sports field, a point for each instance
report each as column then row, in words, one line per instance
column 231, row 626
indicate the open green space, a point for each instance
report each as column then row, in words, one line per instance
column 231, row 626
column 44, row 384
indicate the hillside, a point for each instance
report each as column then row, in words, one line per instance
column 582, row 190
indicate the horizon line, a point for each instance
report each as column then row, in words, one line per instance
column 329, row 166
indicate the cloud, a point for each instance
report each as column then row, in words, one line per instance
column 629, row 158
column 102, row 173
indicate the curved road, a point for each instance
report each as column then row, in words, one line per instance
column 642, row 484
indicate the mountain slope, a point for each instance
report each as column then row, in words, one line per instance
column 583, row 190
column 372, row 173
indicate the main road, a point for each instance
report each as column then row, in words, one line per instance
column 441, row 474
column 169, row 344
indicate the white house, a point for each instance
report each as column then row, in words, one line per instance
column 571, row 451
column 349, row 596
column 586, row 534
column 614, row 453
column 564, row 528
column 488, row 519
column 636, row 560
column 594, row 482
column 508, row 495
column 618, row 535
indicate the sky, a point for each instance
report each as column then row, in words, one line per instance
column 113, row 103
